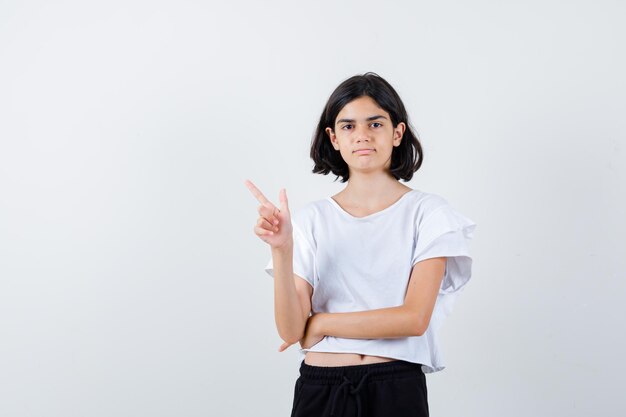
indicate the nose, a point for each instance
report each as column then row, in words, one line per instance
column 361, row 133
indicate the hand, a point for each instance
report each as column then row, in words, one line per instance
column 312, row 335
column 273, row 225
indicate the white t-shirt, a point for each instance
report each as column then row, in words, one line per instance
column 364, row 263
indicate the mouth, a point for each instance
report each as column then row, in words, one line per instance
column 364, row 151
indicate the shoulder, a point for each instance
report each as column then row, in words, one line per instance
column 305, row 218
column 425, row 203
column 307, row 213
column 437, row 215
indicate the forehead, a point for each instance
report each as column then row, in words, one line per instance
column 361, row 108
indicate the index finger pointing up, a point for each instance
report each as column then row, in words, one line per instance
column 258, row 194
column 283, row 200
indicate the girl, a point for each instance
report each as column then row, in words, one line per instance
column 363, row 279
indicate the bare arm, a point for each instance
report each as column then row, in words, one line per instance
column 410, row 319
column 292, row 295
column 291, row 309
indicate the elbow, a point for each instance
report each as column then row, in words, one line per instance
column 419, row 325
column 417, row 321
column 291, row 337
column 291, row 340
column 420, row 330
column 290, row 332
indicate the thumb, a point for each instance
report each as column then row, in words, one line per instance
column 284, row 204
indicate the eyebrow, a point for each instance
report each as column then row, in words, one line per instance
column 378, row 116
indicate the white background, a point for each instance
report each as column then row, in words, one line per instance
column 131, row 282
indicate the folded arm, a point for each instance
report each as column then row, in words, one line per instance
column 410, row 319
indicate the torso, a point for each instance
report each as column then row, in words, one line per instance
column 348, row 359
column 342, row 359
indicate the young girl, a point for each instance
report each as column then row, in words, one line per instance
column 364, row 279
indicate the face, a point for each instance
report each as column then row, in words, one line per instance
column 365, row 136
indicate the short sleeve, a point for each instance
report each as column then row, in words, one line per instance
column 303, row 257
column 446, row 232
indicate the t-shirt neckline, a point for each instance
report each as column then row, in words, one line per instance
column 369, row 216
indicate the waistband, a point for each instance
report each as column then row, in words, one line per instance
column 374, row 371
column 353, row 379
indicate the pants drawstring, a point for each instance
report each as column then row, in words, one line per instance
column 346, row 386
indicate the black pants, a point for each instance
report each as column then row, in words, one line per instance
column 387, row 389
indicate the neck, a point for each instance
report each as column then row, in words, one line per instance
column 365, row 189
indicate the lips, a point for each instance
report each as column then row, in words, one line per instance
column 364, row 151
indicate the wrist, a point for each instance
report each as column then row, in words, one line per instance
column 284, row 249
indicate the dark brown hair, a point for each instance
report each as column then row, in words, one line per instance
column 405, row 158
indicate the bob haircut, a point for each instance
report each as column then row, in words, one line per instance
column 405, row 158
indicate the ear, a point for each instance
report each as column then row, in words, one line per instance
column 332, row 137
column 398, row 133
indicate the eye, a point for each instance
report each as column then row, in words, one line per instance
column 376, row 123
column 346, row 126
